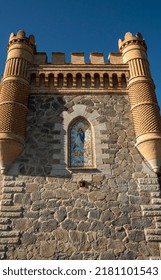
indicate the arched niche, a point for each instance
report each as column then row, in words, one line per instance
column 81, row 151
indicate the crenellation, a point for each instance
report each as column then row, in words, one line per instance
column 77, row 58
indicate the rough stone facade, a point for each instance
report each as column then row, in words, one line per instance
column 52, row 211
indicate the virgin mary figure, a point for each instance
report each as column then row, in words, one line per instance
column 79, row 140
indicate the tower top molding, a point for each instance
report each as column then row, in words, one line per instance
column 130, row 39
column 21, row 37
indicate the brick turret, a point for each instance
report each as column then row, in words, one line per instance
column 14, row 97
column 144, row 106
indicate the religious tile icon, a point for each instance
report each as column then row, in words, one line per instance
column 81, row 150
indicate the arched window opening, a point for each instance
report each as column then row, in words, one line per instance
column 42, row 80
column 87, row 80
column 51, row 80
column 96, row 80
column 33, row 79
column 115, row 80
column 105, row 80
column 78, row 80
column 60, row 80
column 123, row 81
column 69, row 80
column 81, row 149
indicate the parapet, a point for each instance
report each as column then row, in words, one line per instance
column 77, row 58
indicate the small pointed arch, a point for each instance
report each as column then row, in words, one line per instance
column 115, row 80
column 105, row 80
column 69, row 80
column 96, row 80
column 42, row 80
column 123, row 81
column 51, row 80
column 60, row 80
column 33, row 79
column 87, row 80
column 81, row 152
column 78, row 80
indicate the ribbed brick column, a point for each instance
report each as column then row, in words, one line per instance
column 14, row 97
column 144, row 106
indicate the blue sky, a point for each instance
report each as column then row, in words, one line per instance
column 84, row 25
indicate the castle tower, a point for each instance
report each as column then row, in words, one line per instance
column 144, row 106
column 14, row 97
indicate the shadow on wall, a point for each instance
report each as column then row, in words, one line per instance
column 44, row 150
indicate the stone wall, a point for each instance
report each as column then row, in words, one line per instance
column 45, row 211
